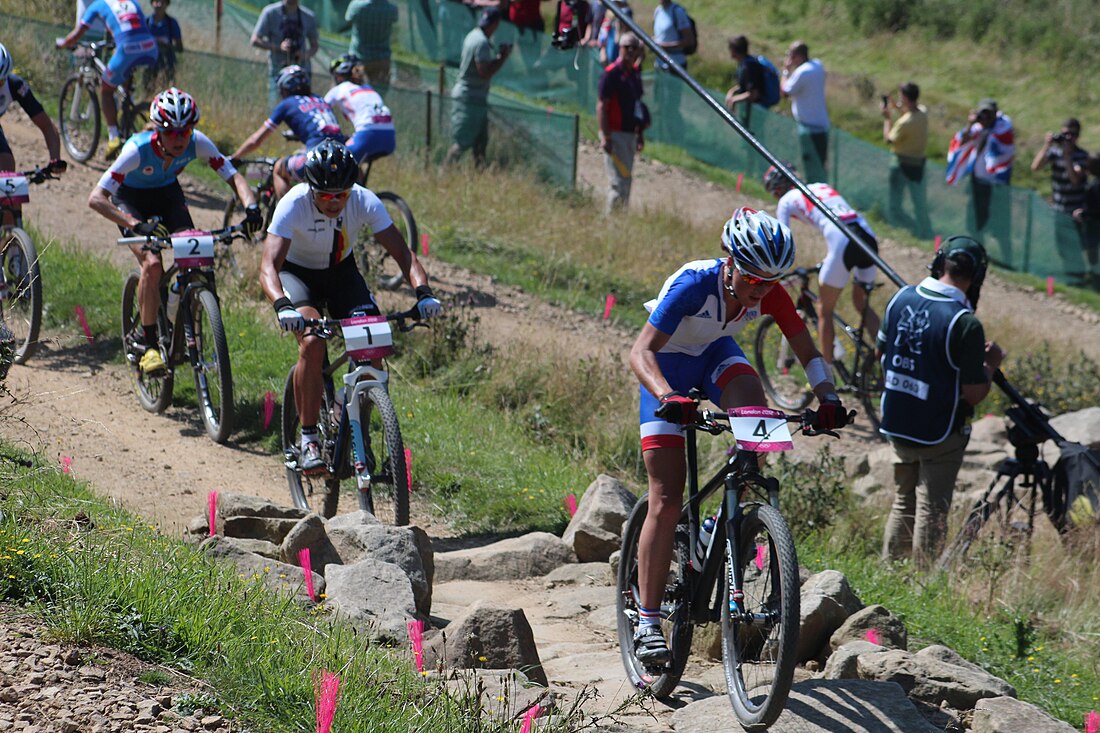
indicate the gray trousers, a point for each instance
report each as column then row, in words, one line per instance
column 623, row 145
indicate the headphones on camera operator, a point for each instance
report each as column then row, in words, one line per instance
column 969, row 256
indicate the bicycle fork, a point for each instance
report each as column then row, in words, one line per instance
column 357, row 382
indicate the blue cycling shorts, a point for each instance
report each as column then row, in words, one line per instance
column 372, row 144
column 126, row 57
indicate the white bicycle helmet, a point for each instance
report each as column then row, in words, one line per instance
column 758, row 240
column 173, row 109
column 5, row 63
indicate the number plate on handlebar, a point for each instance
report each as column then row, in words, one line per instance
column 193, row 249
column 367, row 337
column 760, row 429
column 14, row 189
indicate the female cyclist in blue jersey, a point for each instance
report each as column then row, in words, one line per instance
column 688, row 342
column 375, row 135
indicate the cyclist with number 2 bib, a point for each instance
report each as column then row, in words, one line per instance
column 307, row 263
column 134, row 46
column 844, row 258
column 687, row 343
column 374, row 136
column 141, row 193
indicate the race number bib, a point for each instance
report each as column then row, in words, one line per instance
column 14, row 189
column 760, row 429
column 367, row 337
column 193, row 249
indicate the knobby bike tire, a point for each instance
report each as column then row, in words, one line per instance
column 675, row 607
column 79, row 123
column 385, row 457
column 23, row 306
column 133, row 121
column 154, row 392
column 213, row 371
column 373, row 257
column 316, row 493
column 780, row 370
column 870, row 382
column 759, row 657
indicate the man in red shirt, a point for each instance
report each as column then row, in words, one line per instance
column 622, row 118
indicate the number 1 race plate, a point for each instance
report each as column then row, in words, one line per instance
column 760, row 429
column 193, row 249
column 367, row 337
column 14, row 189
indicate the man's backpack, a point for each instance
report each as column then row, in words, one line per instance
column 769, row 94
column 694, row 47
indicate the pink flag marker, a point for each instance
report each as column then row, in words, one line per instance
column 409, row 468
column 212, row 510
column 1050, row 286
column 740, row 180
column 269, row 408
column 571, row 504
column 326, row 693
column 1092, row 722
column 761, row 553
column 424, row 244
column 529, row 718
column 84, row 323
column 66, row 464
column 303, row 560
column 608, row 304
column 871, row 635
column 416, row 639
column 936, row 242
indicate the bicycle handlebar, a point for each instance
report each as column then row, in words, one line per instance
column 327, row 325
column 711, row 422
column 153, row 243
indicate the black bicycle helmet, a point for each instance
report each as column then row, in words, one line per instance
column 776, row 182
column 293, row 80
column 343, row 65
column 330, row 167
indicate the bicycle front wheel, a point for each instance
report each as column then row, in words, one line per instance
column 313, row 492
column 675, row 609
column 870, row 383
column 154, row 391
column 78, row 118
column 23, row 304
column 780, row 370
column 210, row 361
column 760, row 631
column 385, row 456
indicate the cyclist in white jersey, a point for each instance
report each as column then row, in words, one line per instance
column 308, row 264
column 844, row 258
column 375, row 135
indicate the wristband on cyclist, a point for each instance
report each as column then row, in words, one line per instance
column 424, row 291
column 817, row 372
column 282, row 304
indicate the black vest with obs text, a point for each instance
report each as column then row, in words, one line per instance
column 922, row 389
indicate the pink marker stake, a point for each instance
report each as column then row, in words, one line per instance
column 66, row 464
column 740, row 180
column 269, row 408
column 936, row 242
column 871, row 635
column 424, row 244
column 571, row 504
column 409, row 468
column 326, row 693
column 529, row 718
column 212, row 510
column 761, row 553
column 1092, row 722
column 416, row 639
column 84, row 323
column 608, row 304
column 1050, row 286
column 303, row 560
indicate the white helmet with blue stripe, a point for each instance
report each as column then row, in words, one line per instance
column 757, row 240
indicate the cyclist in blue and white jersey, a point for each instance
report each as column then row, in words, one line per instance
column 687, row 343
column 141, row 193
column 844, row 258
column 308, row 264
column 308, row 116
column 375, row 135
column 134, row 46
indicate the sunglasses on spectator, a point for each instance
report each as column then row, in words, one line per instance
column 328, row 196
column 754, row 280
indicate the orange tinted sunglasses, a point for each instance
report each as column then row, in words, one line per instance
column 324, row 196
column 176, row 131
column 754, row 280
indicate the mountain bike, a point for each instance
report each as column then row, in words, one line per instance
column 372, row 255
column 20, row 276
column 189, row 322
column 358, row 414
column 78, row 109
column 260, row 173
column 859, row 372
column 749, row 572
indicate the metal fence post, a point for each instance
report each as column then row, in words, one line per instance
column 428, row 130
column 576, row 147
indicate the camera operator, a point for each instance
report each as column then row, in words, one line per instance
column 937, row 367
column 288, row 32
column 1068, row 165
column 571, row 26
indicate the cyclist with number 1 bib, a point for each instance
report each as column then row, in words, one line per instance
column 688, row 343
column 141, row 193
column 374, row 136
column 844, row 258
column 134, row 46
column 307, row 264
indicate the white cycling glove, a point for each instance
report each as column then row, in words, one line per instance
column 290, row 319
column 427, row 304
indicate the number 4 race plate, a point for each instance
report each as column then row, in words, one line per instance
column 760, row 429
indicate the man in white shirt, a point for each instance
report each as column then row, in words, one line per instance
column 804, row 82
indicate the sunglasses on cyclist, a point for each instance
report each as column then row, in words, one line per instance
column 754, row 280
column 327, row 196
column 175, row 131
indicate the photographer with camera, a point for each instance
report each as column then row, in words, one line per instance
column 1068, row 176
column 288, row 32
column 470, row 94
column 938, row 367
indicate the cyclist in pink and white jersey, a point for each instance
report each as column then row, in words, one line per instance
column 844, row 258
column 375, row 135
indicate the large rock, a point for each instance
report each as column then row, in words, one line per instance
column 875, row 472
column 842, row 663
column 231, row 504
column 826, row 603
column 375, row 596
column 930, row 678
column 533, row 554
column 874, row 624
column 586, row 573
column 593, row 532
column 270, row 529
column 278, row 576
column 309, row 533
column 487, row 636
column 1082, row 426
column 1009, row 715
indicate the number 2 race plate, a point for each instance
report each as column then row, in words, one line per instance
column 760, row 429
column 193, row 249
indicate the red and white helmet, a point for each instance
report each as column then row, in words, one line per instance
column 173, row 109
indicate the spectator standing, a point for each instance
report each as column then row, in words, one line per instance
column 804, row 82
column 609, row 32
column 673, row 32
column 371, row 23
column 470, row 94
column 750, row 75
column 1068, row 178
column 938, row 366
column 908, row 138
column 622, row 119
column 1089, row 217
column 288, row 32
column 166, row 32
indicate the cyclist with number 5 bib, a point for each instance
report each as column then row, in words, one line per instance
column 374, row 136
column 688, row 343
column 134, row 46
column 844, row 258
column 141, row 193
column 307, row 264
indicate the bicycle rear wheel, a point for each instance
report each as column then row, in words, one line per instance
column 313, row 492
column 132, row 118
column 760, row 639
column 213, row 373
column 385, row 457
column 870, row 383
column 780, row 370
column 675, row 611
column 154, row 391
column 78, row 118
column 373, row 256
column 23, row 303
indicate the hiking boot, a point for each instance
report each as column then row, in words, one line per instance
column 310, row 460
column 152, row 362
column 650, row 646
column 113, row 146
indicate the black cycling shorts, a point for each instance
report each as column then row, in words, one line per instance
column 4, row 147
column 854, row 256
column 167, row 202
column 339, row 289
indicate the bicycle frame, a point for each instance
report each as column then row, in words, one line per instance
column 191, row 281
column 360, row 377
column 90, row 70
